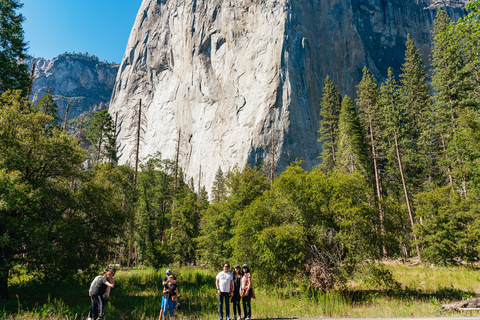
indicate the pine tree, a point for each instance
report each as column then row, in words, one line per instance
column 48, row 106
column 452, row 90
column 395, row 135
column 370, row 118
column 14, row 74
column 101, row 133
column 219, row 188
column 468, row 30
column 416, row 102
column 352, row 152
column 329, row 112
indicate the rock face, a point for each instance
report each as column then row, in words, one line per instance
column 241, row 80
column 81, row 80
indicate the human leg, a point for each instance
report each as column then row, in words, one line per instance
column 92, row 313
column 100, row 307
column 236, row 307
column 162, row 307
column 170, row 307
column 247, row 308
column 227, row 305
column 220, row 305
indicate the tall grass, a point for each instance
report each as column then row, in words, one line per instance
column 138, row 296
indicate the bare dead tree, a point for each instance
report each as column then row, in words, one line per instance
column 199, row 186
column 177, row 156
column 139, row 123
column 66, row 118
column 272, row 162
column 32, row 77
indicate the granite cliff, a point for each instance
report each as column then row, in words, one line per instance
column 83, row 81
column 230, row 77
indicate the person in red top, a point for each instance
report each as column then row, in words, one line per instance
column 246, row 287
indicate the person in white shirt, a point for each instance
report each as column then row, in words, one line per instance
column 224, row 283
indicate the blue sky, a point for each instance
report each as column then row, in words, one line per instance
column 99, row 27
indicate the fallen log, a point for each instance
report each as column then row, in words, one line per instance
column 470, row 304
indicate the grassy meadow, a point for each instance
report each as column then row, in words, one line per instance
column 138, row 295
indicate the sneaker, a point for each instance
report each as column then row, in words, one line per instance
column 239, row 318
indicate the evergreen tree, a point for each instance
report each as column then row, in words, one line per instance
column 416, row 102
column 395, row 136
column 452, row 89
column 48, row 106
column 415, row 91
column 329, row 112
column 14, row 74
column 468, row 30
column 101, row 133
column 219, row 188
column 352, row 152
column 370, row 117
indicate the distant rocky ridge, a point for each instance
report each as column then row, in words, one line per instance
column 241, row 81
column 81, row 80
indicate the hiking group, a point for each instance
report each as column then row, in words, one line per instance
column 230, row 288
column 233, row 287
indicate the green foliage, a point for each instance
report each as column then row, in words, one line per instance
column 56, row 218
column 445, row 226
column 48, row 106
column 329, row 112
column 218, row 221
column 280, row 251
column 352, row 152
column 219, row 189
column 101, row 134
column 13, row 49
column 307, row 217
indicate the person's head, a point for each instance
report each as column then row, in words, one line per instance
column 170, row 277
column 111, row 273
column 104, row 272
column 226, row 266
column 245, row 268
column 237, row 269
column 169, row 272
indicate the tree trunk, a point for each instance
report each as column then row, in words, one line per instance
column 444, row 146
column 66, row 118
column 378, row 186
column 410, row 211
column 132, row 221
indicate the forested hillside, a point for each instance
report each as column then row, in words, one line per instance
column 399, row 178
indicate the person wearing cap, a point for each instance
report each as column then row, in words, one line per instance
column 246, row 287
column 237, row 277
column 168, row 280
column 224, row 283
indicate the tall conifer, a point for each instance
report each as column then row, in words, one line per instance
column 14, row 74
column 416, row 102
column 396, row 137
column 452, row 89
column 329, row 112
column 352, row 152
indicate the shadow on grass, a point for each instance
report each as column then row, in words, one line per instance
column 442, row 294
column 134, row 297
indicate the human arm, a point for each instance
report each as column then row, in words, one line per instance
column 218, row 286
column 109, row 284
column 232, row 287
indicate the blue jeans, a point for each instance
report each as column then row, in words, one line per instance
column 168, row 304
column 224, row 296
column 247, row 308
